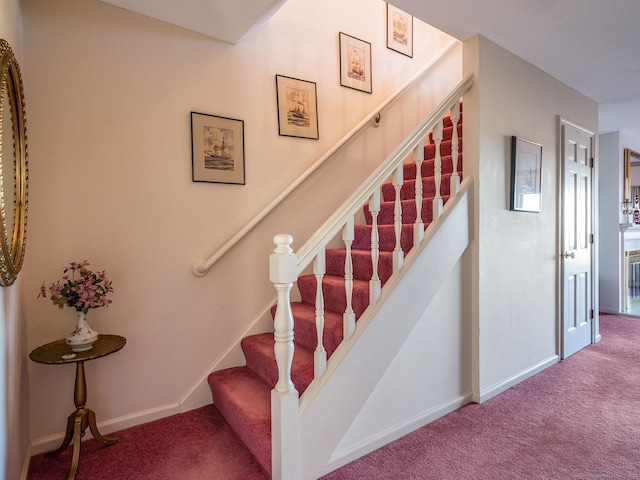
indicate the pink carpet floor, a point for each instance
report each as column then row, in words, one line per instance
column 579, row 419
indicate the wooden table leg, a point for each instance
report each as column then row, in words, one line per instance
column 78, row 422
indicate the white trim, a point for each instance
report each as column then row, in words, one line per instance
column 26, row 462
column 51, row 442
column 368, row 445
column 512, row 381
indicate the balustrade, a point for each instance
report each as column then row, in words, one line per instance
column 285, row 266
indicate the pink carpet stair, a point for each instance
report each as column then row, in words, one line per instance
column 242, row 394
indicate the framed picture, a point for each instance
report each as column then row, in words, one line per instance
column 355, row 63
column 526, row 176
column 217, row 149
column 297, row 107
column 399, row 31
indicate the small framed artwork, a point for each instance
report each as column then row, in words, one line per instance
column 526, row 176
column 217, row 149
column 399, row 31
column 297, row 108
column 355, row 63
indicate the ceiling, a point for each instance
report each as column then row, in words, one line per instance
column 590, row 45
column 226, row 20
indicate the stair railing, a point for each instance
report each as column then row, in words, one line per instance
column 343, row 221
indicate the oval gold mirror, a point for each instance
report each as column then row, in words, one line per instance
column 13, row 168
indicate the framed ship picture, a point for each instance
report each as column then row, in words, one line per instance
column 399, row 31
column 355, row 63
column 217, row 149
column 297, row 108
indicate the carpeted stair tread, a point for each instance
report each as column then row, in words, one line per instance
column 362, row 264
column 305, row 327
column 387, row 237
column 334, row 293
column 386, row 215
column 260, row 356
column 409, row 169
column 447, row 133
column 445, row 149
column 244, row 400
column 408, row 189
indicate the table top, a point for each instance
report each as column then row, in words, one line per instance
column 52, row 353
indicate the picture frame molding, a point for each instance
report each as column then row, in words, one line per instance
column 393, row 42
column 213, row 167
column 526, row 176
column 299, row 120
column 358, row 80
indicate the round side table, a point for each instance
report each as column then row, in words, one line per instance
column 59, row 353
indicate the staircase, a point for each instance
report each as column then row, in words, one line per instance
column 243, row 394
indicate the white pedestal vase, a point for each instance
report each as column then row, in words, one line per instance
column 83, row 336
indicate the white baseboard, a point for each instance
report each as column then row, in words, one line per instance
column 368, row 445
column 506, row 384
column 51, row 442
column 609, row 310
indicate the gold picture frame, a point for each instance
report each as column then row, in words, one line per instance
column 399, row 31
column 297, row 102
column 355, row 63
column 13, row 167
column 217, row 149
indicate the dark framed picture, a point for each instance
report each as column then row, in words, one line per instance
column 399, row 31
column 217, row 149
column 526, row 175
column 297, row 107
column 355, row 63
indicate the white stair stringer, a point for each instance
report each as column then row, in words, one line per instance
column 330, row 404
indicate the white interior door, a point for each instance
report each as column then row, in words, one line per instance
column 577, row 238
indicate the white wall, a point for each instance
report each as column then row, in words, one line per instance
column 14, row 393
column 611, row 193
column 516, row 327
column 110, row 181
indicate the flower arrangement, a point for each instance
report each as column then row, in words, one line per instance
column 81, row 289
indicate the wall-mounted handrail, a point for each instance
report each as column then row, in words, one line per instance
column 201, row 266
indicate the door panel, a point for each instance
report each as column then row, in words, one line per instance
column 577, row 262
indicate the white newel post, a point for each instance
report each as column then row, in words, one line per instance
column 285, row 426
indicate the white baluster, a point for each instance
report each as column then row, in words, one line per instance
column 437, row 171
column 349, row 317
column 455, row 148
column 418, row 226
column 320, row 354
column 398, row 254
column 374, row 283
column 285, row 416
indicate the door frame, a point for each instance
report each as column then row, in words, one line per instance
column 595, row 323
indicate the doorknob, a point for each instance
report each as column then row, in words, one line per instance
column 569, row 254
